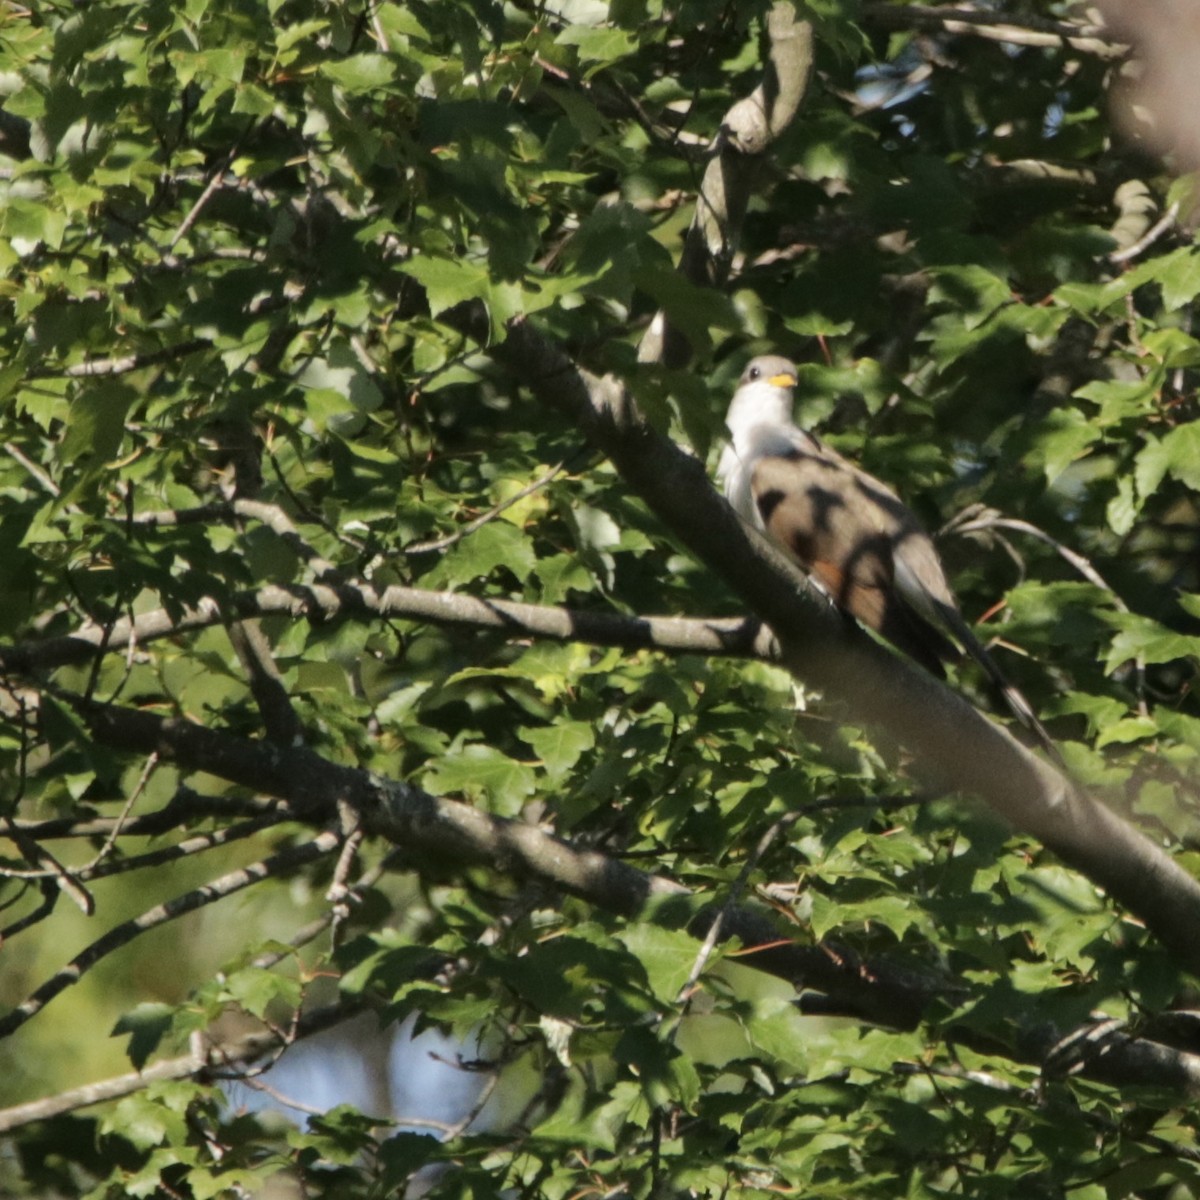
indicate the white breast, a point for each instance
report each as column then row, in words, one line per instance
column 745, row 448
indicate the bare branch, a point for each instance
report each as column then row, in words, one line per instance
column 186, row 805
column 280, row 720
column 457, row 835
column 339, row 893
column 203, row 1062
column 126, row 932
column 196, row 844
column 47, row 484
column 110, row 839
column 36, row 855
column 248, row 1048
column 714, row 931
column 193, row 214
column 1095, row 40
column 1163, row 225
column 734, row 636
column 978, row 519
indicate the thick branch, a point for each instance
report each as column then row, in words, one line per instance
column 749, row 127
column 457, row 835
column 446, row 831
column 949, row 737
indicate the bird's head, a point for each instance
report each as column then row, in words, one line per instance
column 764, row 394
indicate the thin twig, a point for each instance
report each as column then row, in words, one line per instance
column 197, row 844
column 492, row 513
column 313, row 930
column 256, row 1082
column 377, row 28
column 981, row 521
column 978, row 519
column 124, row 364
column 62, row 876
column 111, row 838
column 714, row 930
column 472, row 1114
column 1161, row 226
column 47, row 483
column 186, row 805
column 339, row 893
column 210, row 190
column 198, row 1064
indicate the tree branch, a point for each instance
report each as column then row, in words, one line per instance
column 949, row 738
column 186, row 805
column 1095, row 40
column 123, row 365
column 208, row 1058
column 457, row 835
column 738, row 637
column 748, row 128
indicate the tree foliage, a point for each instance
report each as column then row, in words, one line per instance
column 355, row 365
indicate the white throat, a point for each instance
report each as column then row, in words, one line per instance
column 759, row 423
column 757, row 404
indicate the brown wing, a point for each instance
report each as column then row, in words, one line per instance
column 844, row 528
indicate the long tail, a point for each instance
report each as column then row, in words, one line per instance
column 1021, row 708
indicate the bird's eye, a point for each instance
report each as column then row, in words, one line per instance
column 754, row 372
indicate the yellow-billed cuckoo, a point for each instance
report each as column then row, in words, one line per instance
column 849, row 532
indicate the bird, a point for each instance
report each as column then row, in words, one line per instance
column 850, row 533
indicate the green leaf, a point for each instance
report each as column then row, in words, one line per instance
column 1181, row 453
column 1119, row 400
column 668, row 956
column 146, row 1024
column 1064, row 436
column 1151, row 466
column 255, row 989
column 1130, row 729
column 1146, row 639
column 598, row 45
column 1123, row 508
column 483, row 774
column 448, row 282
column 96, row 425
column 778, row 1030
column 1179, row 274
column 559, row 745
column 482, row 551
column 150, row 1118
column 301, row 31
column 579, row 978
column 361, row 72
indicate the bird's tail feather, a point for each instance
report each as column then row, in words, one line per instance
column 1014, row 698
